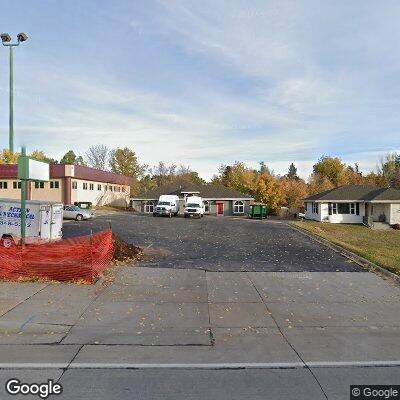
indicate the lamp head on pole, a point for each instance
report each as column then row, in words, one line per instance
column 22, row 37
column 5, row 37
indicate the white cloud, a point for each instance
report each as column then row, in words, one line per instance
column 217, row 129
column 256, row 39
column 301, row 81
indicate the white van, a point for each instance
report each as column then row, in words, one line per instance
column 194, row 207
column 43, row 221
column 168, row 204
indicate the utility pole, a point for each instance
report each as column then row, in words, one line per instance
column 23, row 200
column 11, row 116
column 6, row 40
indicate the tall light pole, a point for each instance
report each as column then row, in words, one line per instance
column 6, row 39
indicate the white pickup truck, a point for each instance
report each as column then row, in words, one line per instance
column 43, row 221
column 168, row 205
column 194, row 207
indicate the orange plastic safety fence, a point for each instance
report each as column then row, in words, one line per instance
column 80, row 258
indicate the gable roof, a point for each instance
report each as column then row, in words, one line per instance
column 206, row 191
column 357, row 193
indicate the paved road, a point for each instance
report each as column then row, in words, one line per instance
column 306, row 332
column 168, row 384
column 178, row 334
column 219, row 244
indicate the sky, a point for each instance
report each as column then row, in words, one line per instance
column 204, row 83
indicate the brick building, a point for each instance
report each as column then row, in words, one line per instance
column 69, row 184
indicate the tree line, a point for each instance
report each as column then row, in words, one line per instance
column 262, row 183
column 121, row 161
column 289, row 190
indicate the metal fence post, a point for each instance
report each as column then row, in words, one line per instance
column 91, row 254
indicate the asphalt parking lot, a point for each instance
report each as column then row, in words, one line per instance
column 218, row 243
column 158, row 330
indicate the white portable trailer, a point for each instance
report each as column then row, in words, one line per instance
column 44, row 220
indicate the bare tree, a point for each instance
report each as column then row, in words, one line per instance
column 163, row 173
column 163, row 169
column 184, row 170
column 97, row 156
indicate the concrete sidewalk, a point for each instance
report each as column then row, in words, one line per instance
column 291, row 317
column 196, row 320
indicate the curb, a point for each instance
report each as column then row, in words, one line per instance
column 372, row 267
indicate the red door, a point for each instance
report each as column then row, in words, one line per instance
column 220, row 208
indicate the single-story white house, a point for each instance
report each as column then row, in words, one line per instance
column 355, row 204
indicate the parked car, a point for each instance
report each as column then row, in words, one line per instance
column 76, row 213
column 194, row 207
column 168, row 204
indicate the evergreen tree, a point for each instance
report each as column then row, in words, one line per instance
column 71, row 158
column 292, row 172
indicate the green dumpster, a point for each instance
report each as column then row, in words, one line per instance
column 86, row 205
column 258, row 211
